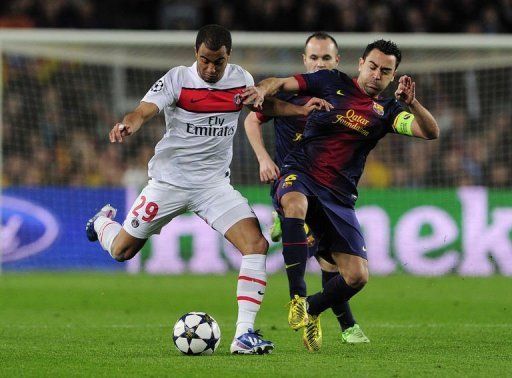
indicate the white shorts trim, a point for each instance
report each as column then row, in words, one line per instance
column 231, row 217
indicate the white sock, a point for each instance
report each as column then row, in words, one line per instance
column 107, row 230
column 252, row 281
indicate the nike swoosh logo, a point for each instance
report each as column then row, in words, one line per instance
column 261, row 292
column 194, row 100
column 340, row 92
column 291, row 265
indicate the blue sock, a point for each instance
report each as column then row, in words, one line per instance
column 336, row 291
column 341, row 310
column 295, row 253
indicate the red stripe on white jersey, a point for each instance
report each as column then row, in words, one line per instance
column 247, row 278
column 249, row 299
column 204, row 100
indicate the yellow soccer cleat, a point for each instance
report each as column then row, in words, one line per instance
column 297, row 314
column 312, row 336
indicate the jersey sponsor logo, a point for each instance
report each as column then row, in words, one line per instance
column 378, row 108
column 339, row 92
column 210, row 131
column 27, row 229
column 215, row 127
column 353, row 121
column 158, row 86
column 208, row 100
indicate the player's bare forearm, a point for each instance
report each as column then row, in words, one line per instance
column 268, row 169
column 424, row 125
column 256, row 95
column 272, row 85
column 254, row 133
column 278, row 108
column 132, row 121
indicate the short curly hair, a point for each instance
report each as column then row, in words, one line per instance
column 214, row 37
column 387, row 47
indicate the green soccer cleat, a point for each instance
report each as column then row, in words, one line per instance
column 297, row 314
column 354, row 335
column 275, row 230
column 312, row 336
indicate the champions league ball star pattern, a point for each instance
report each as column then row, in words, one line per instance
column 196, row 333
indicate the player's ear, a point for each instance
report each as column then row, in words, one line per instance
column 304, row 58
column 361, row 62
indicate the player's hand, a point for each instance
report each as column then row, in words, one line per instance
column 406, row 90
column 317, row 104
column 120, row 131
column 253, row 96
column 269, row 171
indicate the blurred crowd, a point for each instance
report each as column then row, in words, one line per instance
column 56, row 119
column 56, row 115
column 456, row 16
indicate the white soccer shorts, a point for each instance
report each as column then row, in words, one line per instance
column 221, row 207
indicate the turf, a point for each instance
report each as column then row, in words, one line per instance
column 85, row 324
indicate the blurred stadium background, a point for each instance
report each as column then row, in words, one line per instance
column 71, row 68
column 427, row 208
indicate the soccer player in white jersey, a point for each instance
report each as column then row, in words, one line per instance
column 190, row 172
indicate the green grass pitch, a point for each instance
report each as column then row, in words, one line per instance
column 84, row 324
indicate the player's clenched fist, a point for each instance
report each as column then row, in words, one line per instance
column 406, row 90
column 119, row 131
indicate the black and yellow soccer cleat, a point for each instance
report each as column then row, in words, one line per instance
column 312, row 336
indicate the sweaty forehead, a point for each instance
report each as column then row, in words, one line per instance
column 212, row 54
column 320, row 47
column 381, row 59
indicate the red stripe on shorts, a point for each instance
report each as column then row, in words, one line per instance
column 246, row 278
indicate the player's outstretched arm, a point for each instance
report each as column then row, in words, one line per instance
column 424, row 124
column 133, row 121
column 277, row 108
column 268, row 169
column 269, row 87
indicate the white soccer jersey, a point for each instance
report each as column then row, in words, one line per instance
column 201, row 119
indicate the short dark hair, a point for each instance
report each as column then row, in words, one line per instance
column 214, row 37
column 321, row 35
column 387, row 47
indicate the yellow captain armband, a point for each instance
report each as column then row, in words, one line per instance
column 403, row 123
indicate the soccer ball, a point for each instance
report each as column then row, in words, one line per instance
column 196, row 333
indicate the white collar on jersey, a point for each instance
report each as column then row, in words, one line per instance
column 193, row 67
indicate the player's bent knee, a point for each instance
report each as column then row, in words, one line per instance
column 294, row 206
column 356, row 279
column 123, row 253
column 259, row 247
